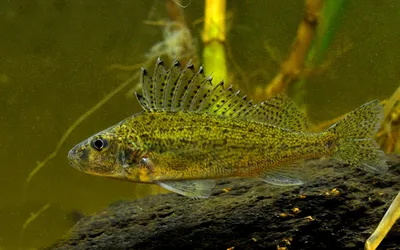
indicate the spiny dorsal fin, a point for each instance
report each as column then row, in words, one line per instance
column 190, row 91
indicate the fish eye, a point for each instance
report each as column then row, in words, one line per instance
column 99, row 143
column 144, row 161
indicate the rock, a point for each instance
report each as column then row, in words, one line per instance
column 337, row 208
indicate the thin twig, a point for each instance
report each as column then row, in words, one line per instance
column 78, row 121
column 31, row 218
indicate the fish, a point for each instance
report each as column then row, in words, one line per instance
column 192, row 132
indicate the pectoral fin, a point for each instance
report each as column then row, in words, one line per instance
column 190, row 188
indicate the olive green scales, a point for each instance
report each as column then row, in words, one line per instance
column 192, row 132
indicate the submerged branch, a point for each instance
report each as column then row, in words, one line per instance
column 292, row 67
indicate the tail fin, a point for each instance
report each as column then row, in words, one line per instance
column 356, row 144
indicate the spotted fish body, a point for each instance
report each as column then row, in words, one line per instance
column 192, row 132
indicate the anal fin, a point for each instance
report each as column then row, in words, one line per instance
column 284, row 175
column 190, row 188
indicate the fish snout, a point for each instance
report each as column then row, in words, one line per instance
column 77, row 157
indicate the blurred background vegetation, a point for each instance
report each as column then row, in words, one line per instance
column 59, row 58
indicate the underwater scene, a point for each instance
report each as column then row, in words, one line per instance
column 191, row 124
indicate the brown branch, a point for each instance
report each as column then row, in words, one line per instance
column 294, row 63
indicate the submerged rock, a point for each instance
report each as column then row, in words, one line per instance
column 337, row 208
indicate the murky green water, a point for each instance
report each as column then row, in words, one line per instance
column 54, row 59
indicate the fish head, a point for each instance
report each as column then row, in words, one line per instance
column 103, row 154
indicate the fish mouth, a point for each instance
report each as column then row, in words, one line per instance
column 74, row 159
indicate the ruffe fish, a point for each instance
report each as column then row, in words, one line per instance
column 192, row 132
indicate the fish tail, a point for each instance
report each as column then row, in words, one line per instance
column 355, row 134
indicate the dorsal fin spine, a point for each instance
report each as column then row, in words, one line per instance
column 205, row 88
column 190, row 97
column 182, row 86
column 142, row 101
column 190, row 89
column 244, row 109
column 173, row 75
column 159, row 76
column 234, row 112
column 230, row 105
column 252, row 110
column 208, row 101
column 227, row 95
column 146, row 82
column 201, row 70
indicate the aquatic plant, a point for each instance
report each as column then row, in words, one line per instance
column 214, row 38
column 388, row 138
column 388, row 134
column 388, row 220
